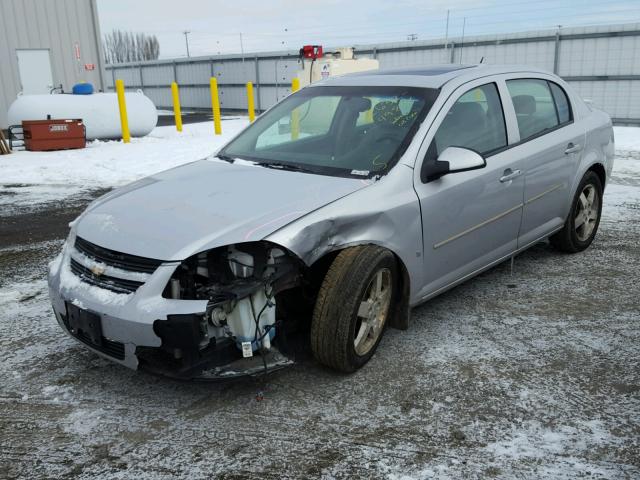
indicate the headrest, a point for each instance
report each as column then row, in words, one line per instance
column 469, row 113
column 359, row 104
column 524, row 104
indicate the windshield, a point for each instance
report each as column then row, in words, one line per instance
column 344, row 131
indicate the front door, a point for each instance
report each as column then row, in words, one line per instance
column 470, row 219
column 34, row 66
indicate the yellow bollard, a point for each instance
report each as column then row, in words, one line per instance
column 368, row 115
column 215, row 106
column 295, row 114
column 252, row 111
column 124, row 122
column 176, row 105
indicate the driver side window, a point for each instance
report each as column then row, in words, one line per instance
column 475, row 121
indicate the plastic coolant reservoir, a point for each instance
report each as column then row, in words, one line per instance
column 242, row 324
column 99, row 112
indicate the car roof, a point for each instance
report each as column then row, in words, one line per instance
column 429, row 76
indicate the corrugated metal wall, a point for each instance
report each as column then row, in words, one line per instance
column 56, row 25
column 603, row 63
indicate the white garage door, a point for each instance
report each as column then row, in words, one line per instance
column 35, row 71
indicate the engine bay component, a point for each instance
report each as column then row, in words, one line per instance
column 253, row 320
column 240, row 283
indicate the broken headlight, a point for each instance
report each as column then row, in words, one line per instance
column 232, row 271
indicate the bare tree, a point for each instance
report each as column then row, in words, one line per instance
column 120, row 47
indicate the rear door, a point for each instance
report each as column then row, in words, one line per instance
column 550, row 144
column 469, row 219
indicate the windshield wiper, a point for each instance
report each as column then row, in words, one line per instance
column 226, row 158
column 284, row 166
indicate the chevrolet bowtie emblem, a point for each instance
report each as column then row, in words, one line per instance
column 97, row 270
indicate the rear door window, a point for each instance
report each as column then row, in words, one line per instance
column 534, row 105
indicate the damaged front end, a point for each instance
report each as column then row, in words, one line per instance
column 242, row 331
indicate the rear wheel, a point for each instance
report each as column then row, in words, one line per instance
column 584, row 218
column 353, row 307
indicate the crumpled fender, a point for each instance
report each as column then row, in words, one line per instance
column 386, row 214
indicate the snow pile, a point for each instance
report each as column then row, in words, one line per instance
column 29, row 178
column 627, row 141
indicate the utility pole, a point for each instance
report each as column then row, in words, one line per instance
column 241, row 47
column 446, row 36
column 186, row 41
column 464, row 21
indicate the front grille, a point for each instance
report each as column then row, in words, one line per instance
column 108, row 347
column 115, row 259
column 118, row 285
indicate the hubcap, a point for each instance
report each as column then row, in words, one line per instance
column 587, row 212
column 373, row 311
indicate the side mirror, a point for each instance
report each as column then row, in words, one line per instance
column 452, row 160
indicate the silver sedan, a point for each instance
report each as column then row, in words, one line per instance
column 327, row 219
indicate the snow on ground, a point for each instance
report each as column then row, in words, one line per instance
column 31, row 178
column 627, row 141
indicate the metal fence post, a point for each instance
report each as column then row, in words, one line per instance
column 556, row 52
column 258, row 84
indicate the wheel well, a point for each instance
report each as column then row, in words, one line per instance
column 599, row 170
column 400, row 317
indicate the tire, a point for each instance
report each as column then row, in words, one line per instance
column 347, row 324
column 582, row 223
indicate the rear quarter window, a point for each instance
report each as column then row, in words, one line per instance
column 562, row 103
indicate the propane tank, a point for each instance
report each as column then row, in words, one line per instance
column 318, row 65
column 99, row 112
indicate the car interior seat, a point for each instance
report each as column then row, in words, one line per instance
column 464, row 126
column 525, row 107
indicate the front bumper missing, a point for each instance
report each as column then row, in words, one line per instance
column 144, row 331
column 220, row 360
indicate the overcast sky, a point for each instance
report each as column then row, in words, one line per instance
column 265, row 25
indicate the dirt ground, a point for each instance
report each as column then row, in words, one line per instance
column 533, row 373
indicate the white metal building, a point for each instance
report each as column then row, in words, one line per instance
column 46, row 44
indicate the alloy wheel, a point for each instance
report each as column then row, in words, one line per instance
column 373, row 311
column 587, row 212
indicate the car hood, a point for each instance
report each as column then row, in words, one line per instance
column 209, row 203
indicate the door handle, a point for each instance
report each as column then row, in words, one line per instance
column 572, row 148
column 508, row 175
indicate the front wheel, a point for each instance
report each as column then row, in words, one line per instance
column 584, row 218
column 353, row 307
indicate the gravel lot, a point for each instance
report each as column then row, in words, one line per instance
column 533, row 373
